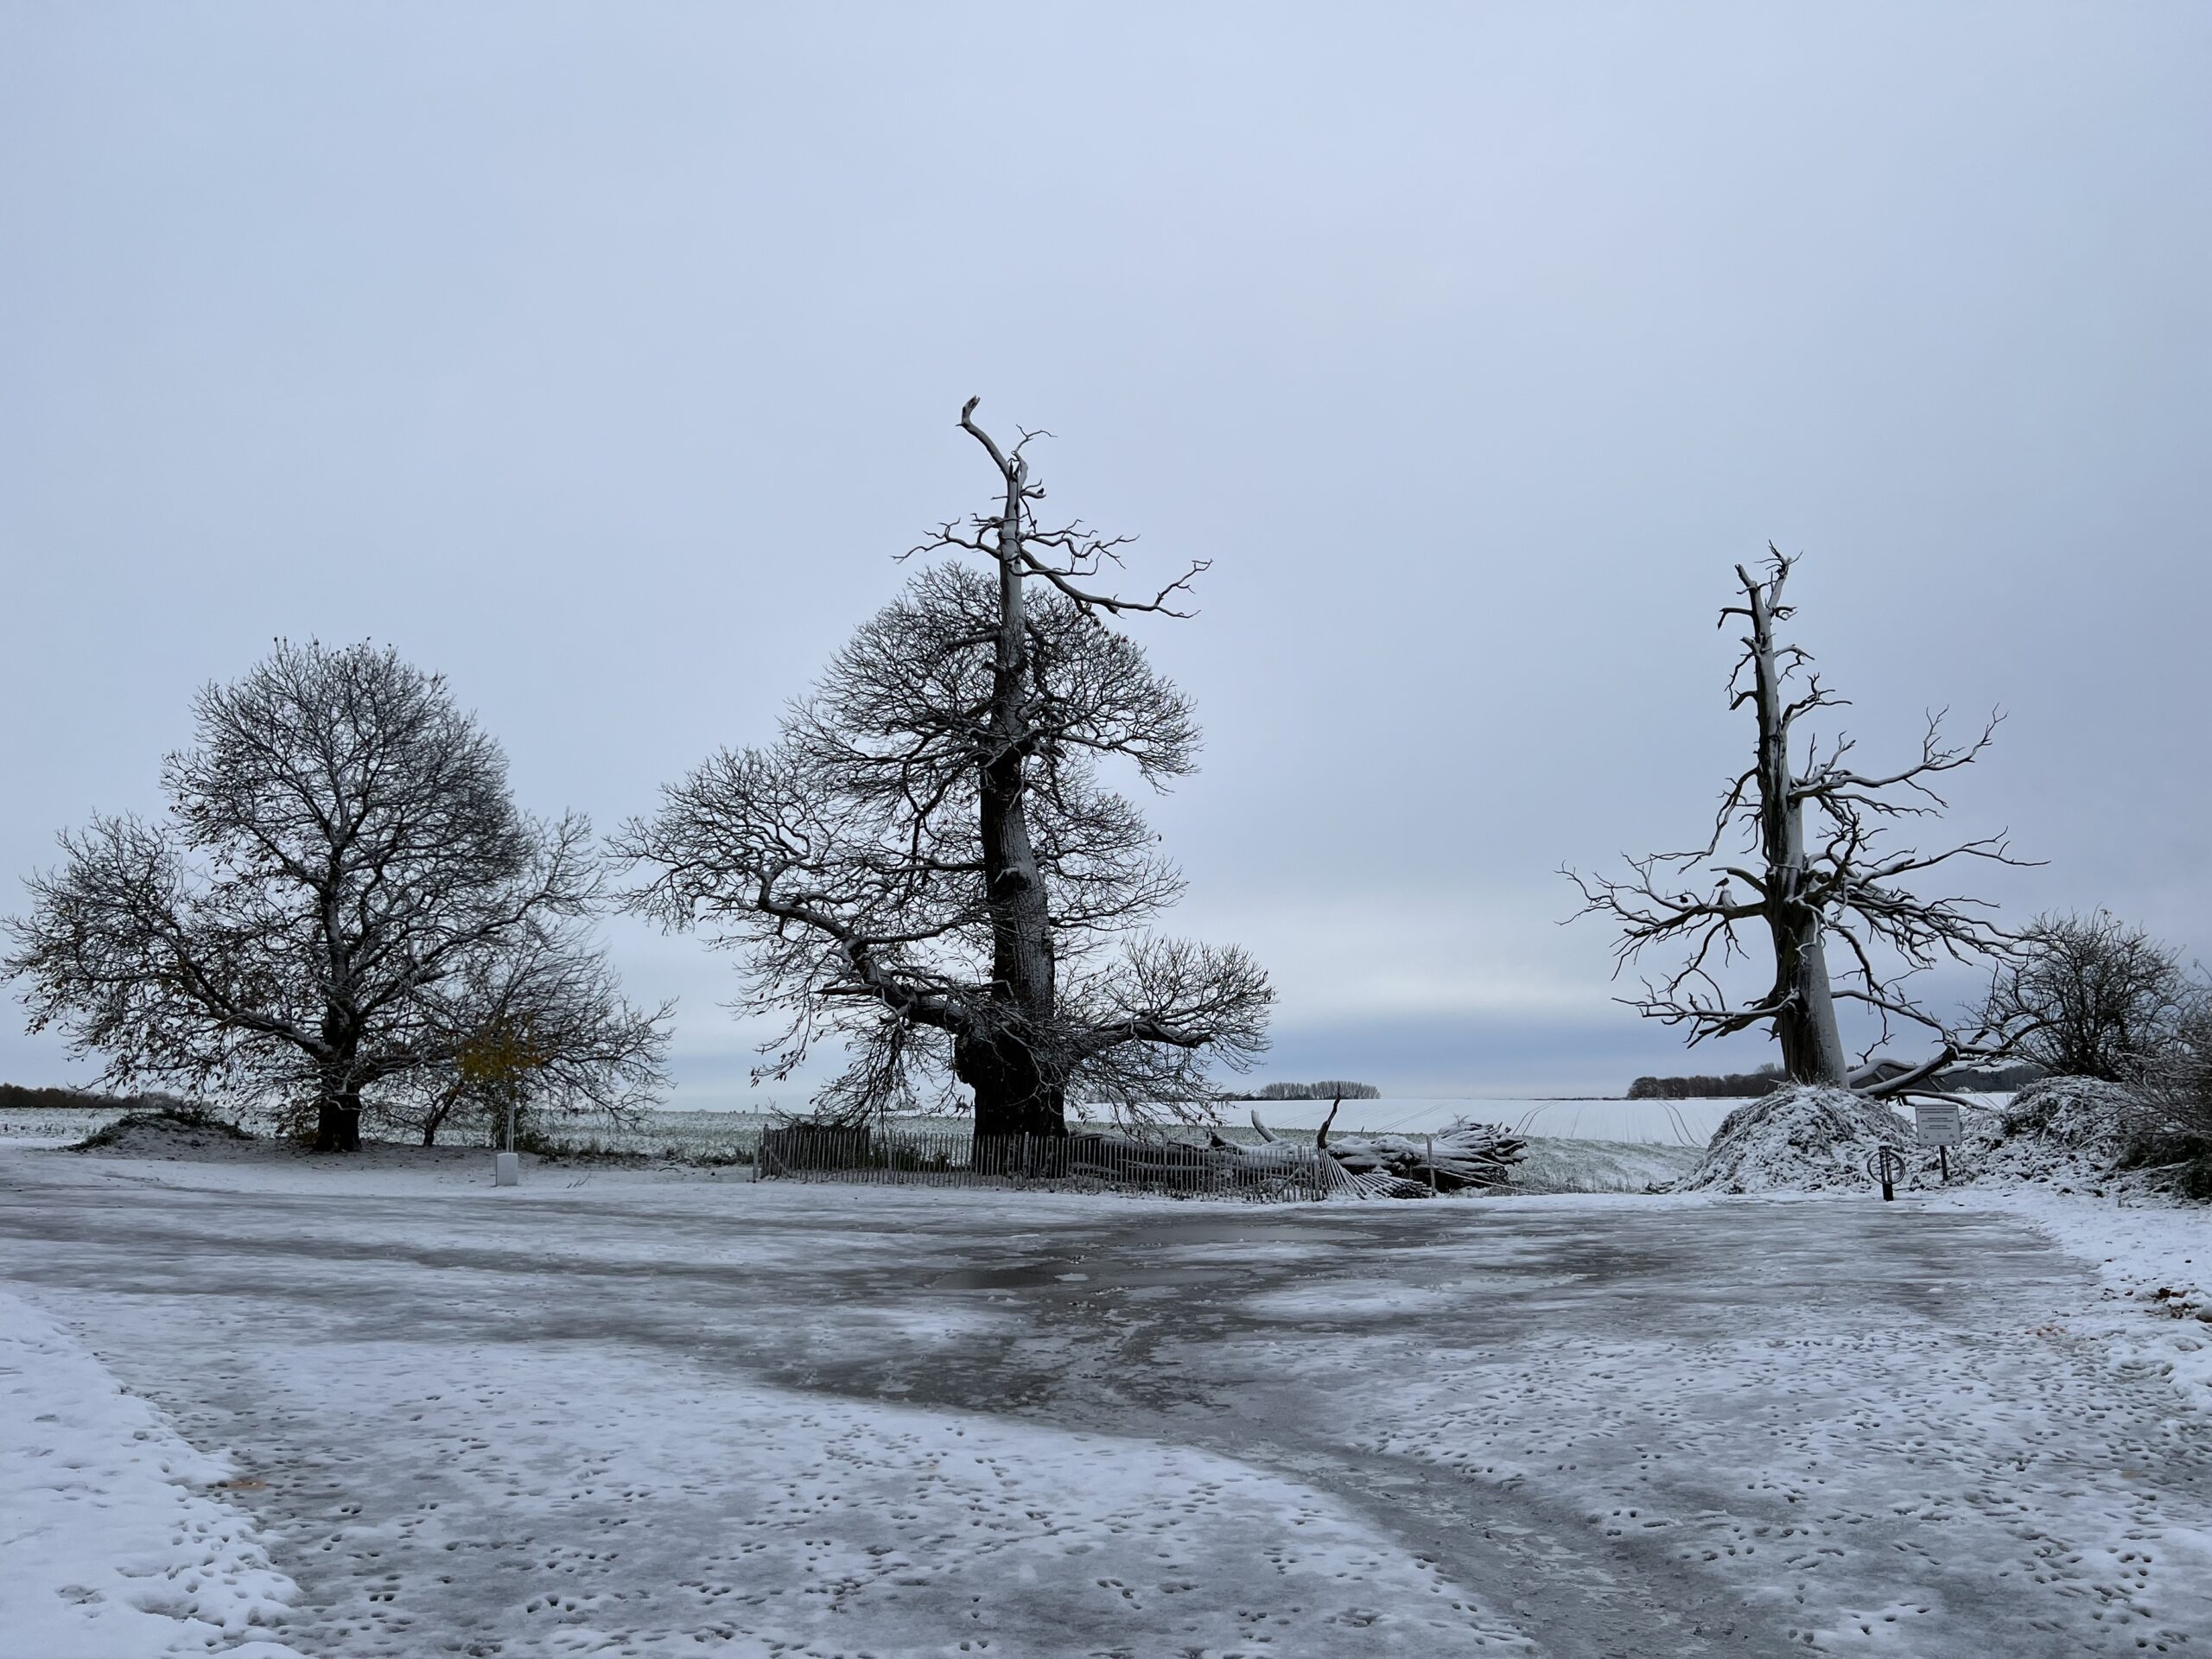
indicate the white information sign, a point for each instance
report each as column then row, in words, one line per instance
column 1938, row 1123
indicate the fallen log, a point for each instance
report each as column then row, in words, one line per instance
column 1465, row 1155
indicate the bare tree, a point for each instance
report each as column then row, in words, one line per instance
column 2089, row 996
column 341, row 861
column 1820, row 872
column 539, row 1032
column 927, row 864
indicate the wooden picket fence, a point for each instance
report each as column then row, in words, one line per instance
column 900, row 1157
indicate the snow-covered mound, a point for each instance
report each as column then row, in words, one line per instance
column 1803, row 1138
column 2070, row 1130
column 165, row 1134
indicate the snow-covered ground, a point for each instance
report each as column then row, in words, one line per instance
column 115, row 1540
column 606, row 1413
column 2154, row 1266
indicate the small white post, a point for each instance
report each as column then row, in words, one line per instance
column 506, row 1167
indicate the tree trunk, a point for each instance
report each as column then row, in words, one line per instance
column 1804, row 1021
column 338, row 1098
column 1018, row 1090
column 1812, row 1043
column 338, row 1121
column 1016, row 1093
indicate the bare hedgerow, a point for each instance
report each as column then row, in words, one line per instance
column 2090, row 997
column 2174, row 1091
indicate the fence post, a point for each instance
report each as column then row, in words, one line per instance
column 1431, row 1165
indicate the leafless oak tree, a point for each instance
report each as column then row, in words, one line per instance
column 343, row 893
column 927, row 864
column 1820, row 875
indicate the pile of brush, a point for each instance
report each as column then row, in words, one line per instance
column 1465, row 1155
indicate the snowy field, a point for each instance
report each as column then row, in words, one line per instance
column 710, row 1135
column 385, row 1409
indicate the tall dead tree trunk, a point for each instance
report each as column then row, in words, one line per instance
column 1016, row 1088
column 1804, row 1017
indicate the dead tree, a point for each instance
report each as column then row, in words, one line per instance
column 927, row 865
column 1822, row 877
column 342, row 860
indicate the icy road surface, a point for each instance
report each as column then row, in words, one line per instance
column 638, row 1419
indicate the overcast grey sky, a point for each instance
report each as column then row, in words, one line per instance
column 601, row 357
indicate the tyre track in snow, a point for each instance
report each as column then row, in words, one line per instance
column 1512, row 1548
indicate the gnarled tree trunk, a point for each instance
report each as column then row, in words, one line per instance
column 1016, row 1090
column 337, row 1115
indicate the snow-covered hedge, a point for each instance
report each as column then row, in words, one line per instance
column 2064, row 1129
column 1806, row 1138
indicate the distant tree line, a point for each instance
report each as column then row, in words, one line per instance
column 1747, row 1083
column 1971, row 1079
column 16, row 1097
column 1328, row 1089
